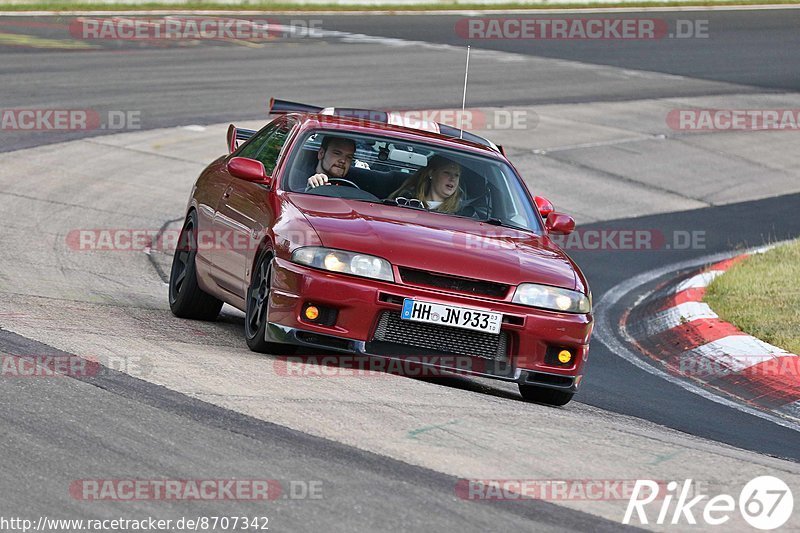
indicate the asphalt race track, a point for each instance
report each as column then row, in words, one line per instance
column 746, row 52
column 184, row 400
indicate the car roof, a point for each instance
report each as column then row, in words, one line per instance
column 311, row 121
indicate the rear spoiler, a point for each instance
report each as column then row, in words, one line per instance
column 236, row 136
column 381, row 117
column 285, row 106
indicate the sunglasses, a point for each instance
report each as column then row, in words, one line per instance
column 410, row 202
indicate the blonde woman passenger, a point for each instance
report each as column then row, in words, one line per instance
column 435, row 184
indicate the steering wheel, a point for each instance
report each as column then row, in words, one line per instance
column 339, row 181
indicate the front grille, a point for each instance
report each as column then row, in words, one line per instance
column 468, row 286
column 441, row 339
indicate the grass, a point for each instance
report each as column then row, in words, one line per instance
column 761, row 296
column 278, row 5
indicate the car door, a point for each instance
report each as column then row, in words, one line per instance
column 211, row 185
column 245, row 211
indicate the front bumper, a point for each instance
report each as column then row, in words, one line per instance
column 360, row 301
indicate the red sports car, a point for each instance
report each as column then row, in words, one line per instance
column 345, row 231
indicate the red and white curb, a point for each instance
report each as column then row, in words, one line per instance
column 675, row 327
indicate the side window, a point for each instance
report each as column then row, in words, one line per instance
column 267, row 145
column 251, row 149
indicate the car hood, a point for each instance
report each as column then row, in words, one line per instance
column 437, row 243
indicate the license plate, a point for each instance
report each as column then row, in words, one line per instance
column 449, row 315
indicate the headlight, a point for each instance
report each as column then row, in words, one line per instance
column 367, row 266
column 553, row 298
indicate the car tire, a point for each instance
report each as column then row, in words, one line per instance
column 532, row 393
column 186, row 299
column 257, row 307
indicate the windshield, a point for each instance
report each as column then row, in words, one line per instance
column 411, row 175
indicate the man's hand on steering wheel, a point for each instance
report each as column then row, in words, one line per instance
column 317, row 180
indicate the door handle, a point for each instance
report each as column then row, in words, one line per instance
column 227, row 192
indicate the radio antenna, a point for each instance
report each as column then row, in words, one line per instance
column 464, row 98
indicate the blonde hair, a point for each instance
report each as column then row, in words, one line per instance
column 420, row 184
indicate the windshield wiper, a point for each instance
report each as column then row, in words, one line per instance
column 498, row 222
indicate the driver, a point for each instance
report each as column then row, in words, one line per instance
column 333, row 160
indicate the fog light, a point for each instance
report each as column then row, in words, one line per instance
column 312, row 313
column 564, row 356
column 319, row 315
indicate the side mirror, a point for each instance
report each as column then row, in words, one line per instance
column 560, row 224
column 544, row 206
column 248, row 170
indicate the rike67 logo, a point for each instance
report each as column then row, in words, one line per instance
column 765, row 503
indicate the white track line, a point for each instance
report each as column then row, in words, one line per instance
column 605, row 328
column 699, row 281
column 675, row 316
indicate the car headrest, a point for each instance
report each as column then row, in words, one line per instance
column 302, row 169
